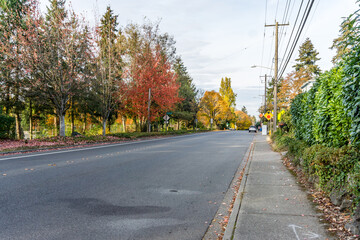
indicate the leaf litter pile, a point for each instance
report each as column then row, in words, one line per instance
column 332, row 214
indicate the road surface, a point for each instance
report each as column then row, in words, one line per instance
column 154, row 189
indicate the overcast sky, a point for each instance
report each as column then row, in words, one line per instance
column 225, row 38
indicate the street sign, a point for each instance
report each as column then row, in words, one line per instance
column 168, row 113
column 261, row 115
column 211, row 121
column 268, row 115
column 166, row 118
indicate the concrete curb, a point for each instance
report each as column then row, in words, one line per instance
column 245, row 166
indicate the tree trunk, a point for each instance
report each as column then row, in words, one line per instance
column 55, row 125
column 18, row 125
column 137, row 127
column 72, row 118
column 84, row 131
column 62, row 124
column 124, row 123
column 30, row 121
column 104, row 126
column 109, row 126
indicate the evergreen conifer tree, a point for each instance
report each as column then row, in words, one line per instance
column 308, row 56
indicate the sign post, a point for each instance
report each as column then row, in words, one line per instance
column 166, row 118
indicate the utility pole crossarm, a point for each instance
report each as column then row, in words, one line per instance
column 274, row 25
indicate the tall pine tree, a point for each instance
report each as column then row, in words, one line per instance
column 308, row 56
column 108, row 85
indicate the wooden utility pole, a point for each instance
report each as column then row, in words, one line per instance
column 276, row 69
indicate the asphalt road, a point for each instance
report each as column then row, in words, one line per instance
column 155, row 189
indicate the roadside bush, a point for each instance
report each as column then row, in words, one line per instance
column 281, row 140
column 333, row 168
column 296, row 149
column 7, row 127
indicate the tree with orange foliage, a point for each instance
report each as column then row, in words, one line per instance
column 243, row 121
column 291, row 86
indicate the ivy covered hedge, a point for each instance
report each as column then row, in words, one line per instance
column 320, row 116
column 329, row 168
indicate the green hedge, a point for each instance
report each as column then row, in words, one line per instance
column 7, row 127
column 320, row 116
column 329, row 168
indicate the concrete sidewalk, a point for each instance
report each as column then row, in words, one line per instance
column 271, row 204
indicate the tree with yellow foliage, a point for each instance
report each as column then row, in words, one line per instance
column 243, row 121
column 212, row 106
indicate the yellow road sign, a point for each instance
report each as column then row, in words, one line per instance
column 268, row 115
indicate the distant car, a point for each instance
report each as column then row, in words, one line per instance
column 252, row 129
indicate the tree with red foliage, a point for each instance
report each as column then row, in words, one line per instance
column 153, row 72
column 149, row 68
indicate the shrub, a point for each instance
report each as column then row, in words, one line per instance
column 7, row 127
column 296, row 149
column 281, row 140
column 335, row 168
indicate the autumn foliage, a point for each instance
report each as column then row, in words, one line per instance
column 151, row 71
column 58, row 63
column 291, row 86
column 243, row 121
column 213, row 106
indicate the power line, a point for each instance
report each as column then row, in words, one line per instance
column 263, row 43
column 277, row 7
column 292, row 32
column 286, row 11
column 301, row 27
column 312, row 17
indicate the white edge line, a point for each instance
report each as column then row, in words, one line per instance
column 89, row 148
